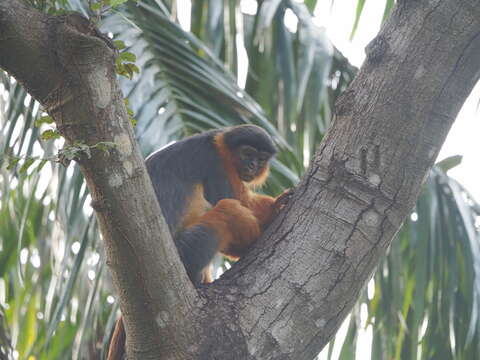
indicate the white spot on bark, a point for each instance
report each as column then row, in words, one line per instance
column 371, row 218
column 432, row 153
column 100, row 87
column 280, row 332
column 278, row 303
column 162, row 319
column 124, row 145
column 115, row 180
column 419, row 73
column 128, row 167
column 374, row 179
column 320, row 323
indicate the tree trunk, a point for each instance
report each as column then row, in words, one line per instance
column 289, row 295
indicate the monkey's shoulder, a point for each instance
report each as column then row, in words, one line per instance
column 187, row 155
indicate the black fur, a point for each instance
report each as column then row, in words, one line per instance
column 196, row 246
column 249, row 135
column 175, row 171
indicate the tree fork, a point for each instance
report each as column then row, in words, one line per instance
column 289, row 295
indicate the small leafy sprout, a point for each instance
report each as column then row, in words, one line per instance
column 104, row 146
column 130, row 113
column 75, row 151
column 43, row 120
column 119, row 44
column 125, row 64
column 72, row 152
column 50, row 134
column 96, row 6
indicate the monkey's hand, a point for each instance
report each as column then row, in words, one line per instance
column 282, row 200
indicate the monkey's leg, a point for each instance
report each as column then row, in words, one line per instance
column 197, row 245
column 229, row 228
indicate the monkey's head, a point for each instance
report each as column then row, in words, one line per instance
column 251, row 148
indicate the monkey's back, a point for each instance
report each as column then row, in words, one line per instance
column 178, row 168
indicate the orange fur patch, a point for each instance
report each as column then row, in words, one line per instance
column 261, row 205
column 236, row 226
column 207, row 277
column 197, row 206
column 260, row 179
column 239, row 189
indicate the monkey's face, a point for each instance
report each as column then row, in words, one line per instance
column 251, row 162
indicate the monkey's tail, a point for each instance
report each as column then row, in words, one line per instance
column 116, row 351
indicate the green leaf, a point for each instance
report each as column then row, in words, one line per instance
column 12, row 162
column 104, row 146
column 67, row 290
column 388, row 7
column 96, row 6
column 311, row 5
column 28, row 162
column 43, row 120
column 450, row 162
column 115, row 3
column 50, row 135
column 134, row 68
column 119, row 44
column 127, row 56
column 360, row 5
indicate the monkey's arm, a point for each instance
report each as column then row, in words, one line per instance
column 266, row 208
column 235, row 226
column 229, row 227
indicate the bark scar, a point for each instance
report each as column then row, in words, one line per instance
column 377, row 49
column 85, row 26
column 363, row 160
column 100, row 204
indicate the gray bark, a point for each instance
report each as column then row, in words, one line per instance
column 289, row 295
column 69, row 67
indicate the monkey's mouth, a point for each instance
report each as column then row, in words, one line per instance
column 247, row 177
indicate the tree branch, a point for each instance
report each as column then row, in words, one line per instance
column 67, row 65
column 297, row 285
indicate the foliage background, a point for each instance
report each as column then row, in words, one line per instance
column 55, row 296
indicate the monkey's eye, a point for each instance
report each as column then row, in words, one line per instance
column 263, row 157
column 247, row 152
